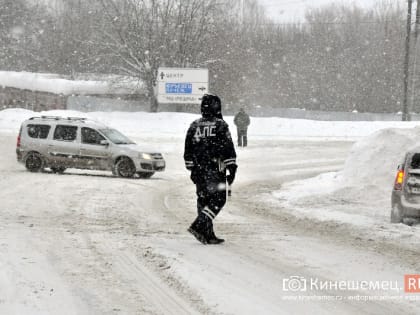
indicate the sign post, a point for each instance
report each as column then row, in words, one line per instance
column 182, row 85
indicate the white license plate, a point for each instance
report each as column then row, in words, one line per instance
column 415, row 190
column 160, row 163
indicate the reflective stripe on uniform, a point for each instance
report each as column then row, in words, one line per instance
column 209, row 213
column 229, row 161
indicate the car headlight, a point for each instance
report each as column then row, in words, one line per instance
column 146, row 156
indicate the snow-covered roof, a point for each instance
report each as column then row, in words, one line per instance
column 53, row 83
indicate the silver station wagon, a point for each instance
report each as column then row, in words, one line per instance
column 59, row 143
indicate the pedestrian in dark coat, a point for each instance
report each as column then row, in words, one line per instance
column 242, row 122
column 210, row 156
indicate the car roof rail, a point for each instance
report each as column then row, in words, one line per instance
column 76, row 118
column 59, row 118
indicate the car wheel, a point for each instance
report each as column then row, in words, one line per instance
column 34, row 162
column 396, row 214
column 58, row 169
column 145, row 175
column 125, row 168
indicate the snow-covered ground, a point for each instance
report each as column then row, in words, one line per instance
column 311, row 200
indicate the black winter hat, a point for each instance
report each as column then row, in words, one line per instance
column 211, row 105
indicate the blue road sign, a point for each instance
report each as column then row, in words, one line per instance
column 178, row 88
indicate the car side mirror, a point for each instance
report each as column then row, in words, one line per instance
column 104, row 142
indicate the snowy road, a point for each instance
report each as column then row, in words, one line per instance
column 89, row 243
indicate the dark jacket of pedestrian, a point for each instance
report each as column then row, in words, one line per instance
column 242, row 122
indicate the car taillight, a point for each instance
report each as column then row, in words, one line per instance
column 18, row 138
column 399, row 180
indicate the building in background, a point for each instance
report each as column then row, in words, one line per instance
column 40, row 91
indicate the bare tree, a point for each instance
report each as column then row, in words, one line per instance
column 21, row 27
column 143, row 35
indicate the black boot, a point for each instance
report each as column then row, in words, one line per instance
column 213, row 239
column 200, row 228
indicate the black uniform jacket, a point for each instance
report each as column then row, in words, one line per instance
column 209, row 149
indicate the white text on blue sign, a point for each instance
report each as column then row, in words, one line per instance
column 178, row 88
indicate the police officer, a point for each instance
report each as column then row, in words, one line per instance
column 242, row 122
column 209, row 154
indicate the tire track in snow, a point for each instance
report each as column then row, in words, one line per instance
column 156, row 292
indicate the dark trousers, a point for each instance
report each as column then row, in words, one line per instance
column 242, row 138
column 211, row 195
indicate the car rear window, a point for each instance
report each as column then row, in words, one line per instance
column 65, row 133
column 415, row 160
column 38, row 131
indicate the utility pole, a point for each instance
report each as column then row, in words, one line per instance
column 405, row 114
column 414, row 74
column 242, row 8
column 416, row 30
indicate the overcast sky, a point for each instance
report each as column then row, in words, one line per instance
column 294, row 10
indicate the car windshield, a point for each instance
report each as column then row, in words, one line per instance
column 115, row 136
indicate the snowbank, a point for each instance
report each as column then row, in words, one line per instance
column 327, row 129
column 359, row 193
column 372, row 164
column 373, row 160
column 132, row 124
column 11, row 119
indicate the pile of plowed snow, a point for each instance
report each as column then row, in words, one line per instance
column 373, row 160
column 371, row 166
column 358, row 195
